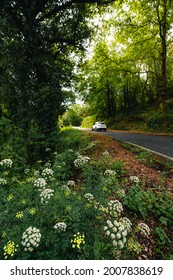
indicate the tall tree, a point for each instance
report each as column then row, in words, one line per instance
column 38, row 38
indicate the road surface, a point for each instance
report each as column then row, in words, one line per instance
column 159, row 144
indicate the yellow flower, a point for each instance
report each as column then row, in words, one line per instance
column 9, row 249
column 23, row 201
column 4, row 234
column 32, row 211
column 78, row 240
column 19, row 215
column 9, row 197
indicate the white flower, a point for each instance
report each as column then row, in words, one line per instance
column 115, row 243
column 28, row 241
column 46, row 195
column 108, row 233
column 115, row 207
column 118, row 236
column 6, row 162
column 81, row 160
column 61, row 226
column 114, row 229
column 71, row 183
column 124, row 233
column 134, row 179
column 89, row 197
column 65, row 188
column 127, row 223
column 145, row 230
column 110, row 172
column 47, row 173
column 120, row 244
column 3, row 182
column 121, row 193
column 40, row 183
column 112, row 236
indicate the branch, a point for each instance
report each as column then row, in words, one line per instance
column 70, row 3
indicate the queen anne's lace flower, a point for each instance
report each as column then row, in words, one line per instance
column 47, row 173
column 89, row 197
column 81, row 160
column 61, row 226
column 117, row 231
column 144, row 229
column 6, row 163
column 115, row 207
column 121, row 193
column 3, row 182
column 46, row 195
column 134, row 179
column 40, row 183
column 109, row 172
column 31, row 239
column 71, row 184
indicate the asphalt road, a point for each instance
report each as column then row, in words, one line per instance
column 160, row 144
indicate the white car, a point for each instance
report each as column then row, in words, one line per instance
column 98, row 126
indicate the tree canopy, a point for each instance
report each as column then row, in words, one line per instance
column 131, row 65
column 38, row 40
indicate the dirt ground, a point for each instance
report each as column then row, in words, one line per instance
column 160, row 172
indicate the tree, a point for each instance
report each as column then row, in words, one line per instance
column 38, row 38
column 132, row 57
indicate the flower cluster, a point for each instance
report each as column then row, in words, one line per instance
column 3, row 182
column 40, row 183
column 9, row 197
column 47, row 173
column 144, row 229
column 61, row 226
column 109, row 172
column 31, row 238
column 81, row 160
column 32, row 211
column 115, row 207
column 27, row 170
column 19, row 215
column 78, row 240
column 46, row 195
column 134, row 179
column 89, row 197
column 127, row 223
column 105, row 153
column 71, row 184
column 65, row 188
column 9, row 249
column 121, row 193
column 6, row 162
column 118, row 232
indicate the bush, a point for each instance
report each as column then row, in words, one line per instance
column 160, row 122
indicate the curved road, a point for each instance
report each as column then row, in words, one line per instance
column 162, row 145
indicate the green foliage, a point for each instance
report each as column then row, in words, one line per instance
column 140, row 201
column 163, row 241
column 160, row 122
column 82, row 192
column 88, row 121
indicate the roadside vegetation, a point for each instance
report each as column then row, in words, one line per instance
column 81, row 203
